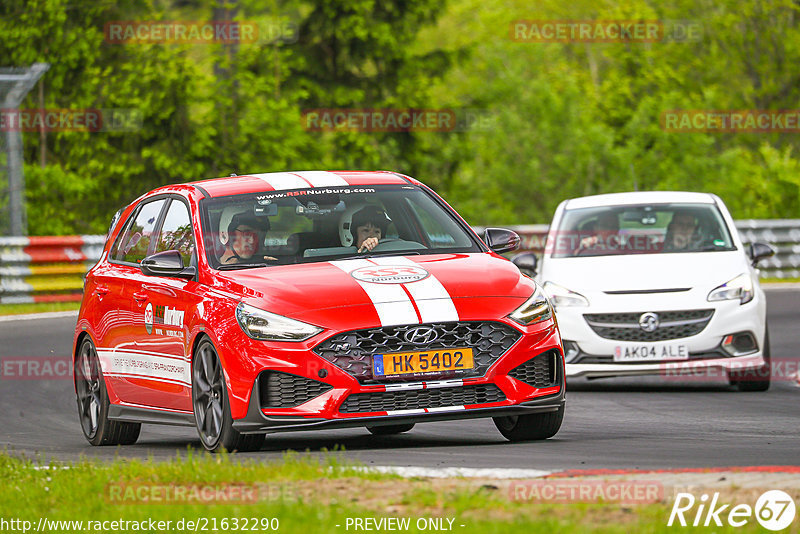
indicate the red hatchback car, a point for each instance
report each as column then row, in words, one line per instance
column 309, row 300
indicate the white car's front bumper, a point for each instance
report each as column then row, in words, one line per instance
column 706, row 357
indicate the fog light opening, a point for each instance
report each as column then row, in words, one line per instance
column 740, row 344
column 571, row 351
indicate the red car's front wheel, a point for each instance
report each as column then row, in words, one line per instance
column 212, row 412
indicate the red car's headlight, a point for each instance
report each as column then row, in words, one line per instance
column 535, row 310
column 266, row 326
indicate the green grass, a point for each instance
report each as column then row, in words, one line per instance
column 38, row 307
column 305, row 495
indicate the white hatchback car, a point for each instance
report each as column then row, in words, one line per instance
column 656, row 283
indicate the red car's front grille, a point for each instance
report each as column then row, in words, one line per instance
column 352, row 351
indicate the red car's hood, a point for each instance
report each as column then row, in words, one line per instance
column 385, row 290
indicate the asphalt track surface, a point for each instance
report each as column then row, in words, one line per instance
column 632, row 423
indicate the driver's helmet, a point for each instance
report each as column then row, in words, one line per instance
column 359, row 215
column 234, row 216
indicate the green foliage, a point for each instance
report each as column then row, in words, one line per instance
column 583, row 118
column 561, row 119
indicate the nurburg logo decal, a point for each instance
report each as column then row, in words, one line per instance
column 390, row 274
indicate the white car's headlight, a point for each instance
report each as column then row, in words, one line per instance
column 266, row 326
column 534, row 310
column 563, row 297
column 740, row 288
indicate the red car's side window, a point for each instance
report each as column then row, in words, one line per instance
column 177, row 233
column 133, row 245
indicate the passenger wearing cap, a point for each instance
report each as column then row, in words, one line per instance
column 242, row 235
column 366, row 228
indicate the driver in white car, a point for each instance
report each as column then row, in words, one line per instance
column 680, row 232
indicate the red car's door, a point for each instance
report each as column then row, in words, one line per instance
column 123, row 367
column 161, row 309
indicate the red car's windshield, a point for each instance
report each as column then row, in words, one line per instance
column 322, row 224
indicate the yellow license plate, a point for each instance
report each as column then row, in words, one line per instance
column 429, row 361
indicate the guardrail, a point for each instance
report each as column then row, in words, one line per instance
column 784, row 235
column 49, row 269
column 46, row 269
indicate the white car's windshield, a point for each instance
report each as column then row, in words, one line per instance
column 323, row 224
column 643, row 229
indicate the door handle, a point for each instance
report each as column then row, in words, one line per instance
column 140, row 297
column 101, row 291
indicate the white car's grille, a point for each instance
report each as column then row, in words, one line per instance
column 631, row 326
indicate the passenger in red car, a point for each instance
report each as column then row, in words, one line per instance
column 368, row 227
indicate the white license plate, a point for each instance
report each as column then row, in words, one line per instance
column 650, row 352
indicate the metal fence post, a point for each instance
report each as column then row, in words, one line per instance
column 16, row 83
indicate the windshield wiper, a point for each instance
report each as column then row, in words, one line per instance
column 365, row 255
column 709, row 248
column 235, row 266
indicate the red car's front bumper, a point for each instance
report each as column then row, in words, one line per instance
column 339, row 399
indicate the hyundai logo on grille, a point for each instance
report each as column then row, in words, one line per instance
column 421, row 335
column 649, row 322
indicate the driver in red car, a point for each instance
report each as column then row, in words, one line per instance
column 242, row 235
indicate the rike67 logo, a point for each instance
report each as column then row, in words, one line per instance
column 774, row 510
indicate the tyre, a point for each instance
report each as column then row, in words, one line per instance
column 530, row 427
column 93, row 402
column 388, row 430
column 754, row 379
column 212, row 413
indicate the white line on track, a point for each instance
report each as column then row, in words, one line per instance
column 32, row 316
column 448, row 472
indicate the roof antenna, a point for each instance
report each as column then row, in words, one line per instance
column 233, row 174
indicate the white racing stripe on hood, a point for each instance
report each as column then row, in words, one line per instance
column 280, row 181
column 430, row 296
column 390, row 301
column 323, row 178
